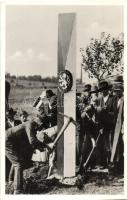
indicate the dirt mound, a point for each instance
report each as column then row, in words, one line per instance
column 35, row 182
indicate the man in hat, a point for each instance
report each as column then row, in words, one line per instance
column 85, row 95
column 89, row 127
column 84, row 102
column 46, row 104
column 52, row 107
column 105, row 112
column 21, row 141
column 94, row 95
column 24, row 116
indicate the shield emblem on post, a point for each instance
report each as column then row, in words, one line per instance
column 65, row 81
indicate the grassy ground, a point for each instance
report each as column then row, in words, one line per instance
column 23, row 98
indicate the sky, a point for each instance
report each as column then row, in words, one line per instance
column 32, row 35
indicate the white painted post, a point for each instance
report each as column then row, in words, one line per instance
column 66, row 148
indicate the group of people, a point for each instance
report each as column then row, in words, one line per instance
column 22, row 141
column 99, row 113
column 100, row 116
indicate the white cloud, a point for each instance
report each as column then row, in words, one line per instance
column 43, row 57
column 29, row 62
column 16, row 55
column 30, row 53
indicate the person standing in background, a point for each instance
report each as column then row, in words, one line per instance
column 7, row 92
column 106, row 116
column 118, row 90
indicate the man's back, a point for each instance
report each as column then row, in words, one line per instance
column 23, row 133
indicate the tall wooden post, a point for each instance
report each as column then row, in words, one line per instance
column 66, row 148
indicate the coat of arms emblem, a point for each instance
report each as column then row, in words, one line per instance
column 65, row 81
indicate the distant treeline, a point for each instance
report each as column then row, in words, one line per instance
column 52, row 79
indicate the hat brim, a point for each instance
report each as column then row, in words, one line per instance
column 104, row 88
column 12, row 114
column 116, row 89
column 86, row 90
column 93, row 92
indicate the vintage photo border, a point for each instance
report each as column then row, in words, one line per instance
column 3, row 5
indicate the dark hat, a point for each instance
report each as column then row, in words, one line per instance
column 110, row 86
column 11, row 112
column 24, row 113
column 118, row 86
column 118, row 79
column 78, row 93
column 94, row 89
column 49, row 92
column 87, row 88
column 103, row 85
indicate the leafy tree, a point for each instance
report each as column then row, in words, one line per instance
column 102, row 57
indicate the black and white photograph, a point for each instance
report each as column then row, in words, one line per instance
column 64, row 100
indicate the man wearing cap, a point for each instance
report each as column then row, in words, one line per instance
column 21, row 141
column 105, row 112
column 84, row 101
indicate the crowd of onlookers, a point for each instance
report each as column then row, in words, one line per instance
column 100, row 110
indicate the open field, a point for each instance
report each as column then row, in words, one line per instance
column 23, row 98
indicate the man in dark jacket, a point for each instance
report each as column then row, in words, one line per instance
column 21, row 141
column 10, row 122
column 89, row 125
column 106, row 113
